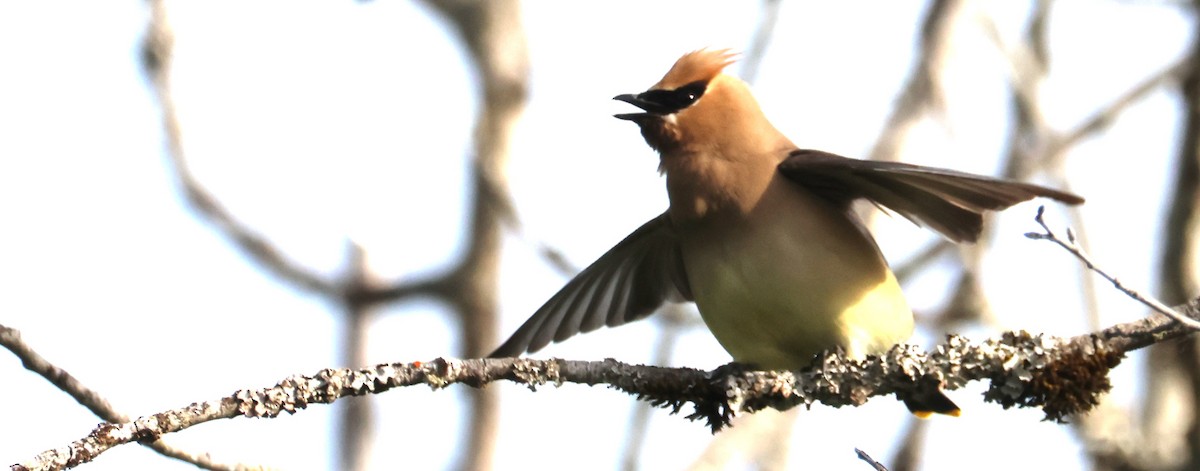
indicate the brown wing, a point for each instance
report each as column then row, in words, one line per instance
column 947, row 201
column 627, row 283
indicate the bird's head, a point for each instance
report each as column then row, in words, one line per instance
column 696, row 107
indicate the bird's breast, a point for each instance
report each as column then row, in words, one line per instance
column 791, row 276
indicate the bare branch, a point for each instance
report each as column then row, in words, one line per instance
column 752, row 60
column 1044, row 148
column 11, row 339
column 1107, row 115
column 922, row 259
column 877, row 466
column 1090, row 292
column 922, row 95
column 493, row 34
column 922, row 92
column 1027, row 69
column 907, row 457
column 157, row 54
column 1174, row 370
column 96, row 403
column 1070, row 245
column 1028, row 64
column 1177, row 266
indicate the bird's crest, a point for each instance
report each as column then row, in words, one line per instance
column 696, row 66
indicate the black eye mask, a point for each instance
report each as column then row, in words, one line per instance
column 664, row 102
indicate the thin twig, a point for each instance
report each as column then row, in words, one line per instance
column 1091, row 293
column 1078, row 252
column 862, row 455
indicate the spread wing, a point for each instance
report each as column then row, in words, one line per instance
column 627, row 283
column 947, row 201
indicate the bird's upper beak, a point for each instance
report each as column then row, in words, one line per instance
column 637, row 101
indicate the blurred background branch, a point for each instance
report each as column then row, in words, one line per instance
column 492, row 32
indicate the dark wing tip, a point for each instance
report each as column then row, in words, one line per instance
column 509, row 349
column 947, row 201
column 1061, row 196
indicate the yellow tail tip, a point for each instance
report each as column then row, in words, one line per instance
column 925, row 414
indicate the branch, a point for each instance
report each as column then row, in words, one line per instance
column 1027, row 69
column 877, row 466
column 1063, row 376
column 752, row 60
column 492, row 33
column 922, row 93
column 1078, row 252
column 96, row 403
column 157, row 53
column 1107, row 115
column 923, row 258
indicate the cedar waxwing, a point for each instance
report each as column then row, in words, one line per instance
column 761, row 235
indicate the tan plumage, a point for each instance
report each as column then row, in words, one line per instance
column 759, row 233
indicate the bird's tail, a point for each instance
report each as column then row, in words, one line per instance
column 926, row 403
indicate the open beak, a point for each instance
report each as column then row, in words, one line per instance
column 635, row 100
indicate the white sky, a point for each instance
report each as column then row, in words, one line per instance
column 319, row 122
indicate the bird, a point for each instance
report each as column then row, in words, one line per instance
column 761, row 235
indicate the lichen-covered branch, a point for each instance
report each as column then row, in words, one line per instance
column 1062, row 376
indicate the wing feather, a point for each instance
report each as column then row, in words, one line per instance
column 627, row 283
column 947, row 201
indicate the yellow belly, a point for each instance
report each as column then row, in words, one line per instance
column 793, row 278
